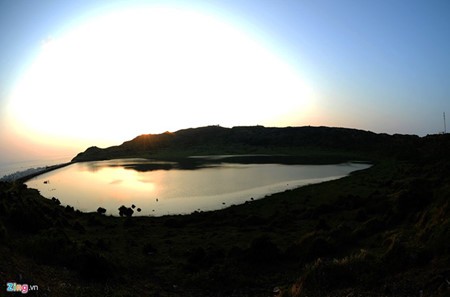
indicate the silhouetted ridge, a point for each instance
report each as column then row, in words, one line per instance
column 238, row 140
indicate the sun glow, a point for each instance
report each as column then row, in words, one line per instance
column 154, row 69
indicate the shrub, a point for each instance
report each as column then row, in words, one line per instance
column 69, row 208
column 414, row 197
column 28, row 220
column 196, row 256
column 50, row 247
column 93, row 221
column 103, row 245
column 321, row 247
column 3, row 233
column 174, row 223
column 56, row 201
column 149, row 249
column 357, row 269
column 93, row 266
column 370, row 227
column 126, row 211
column 79, row 227
column 101, row 210
column 263, row 250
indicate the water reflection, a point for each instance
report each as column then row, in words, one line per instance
column 160, row 188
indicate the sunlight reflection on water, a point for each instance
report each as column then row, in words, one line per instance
column 160, row 190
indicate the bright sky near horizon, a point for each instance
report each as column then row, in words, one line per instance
column 80, row 73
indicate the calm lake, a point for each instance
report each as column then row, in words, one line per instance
column 161, row 188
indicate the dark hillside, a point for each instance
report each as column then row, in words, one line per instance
column 379, row 232
column 257, row 139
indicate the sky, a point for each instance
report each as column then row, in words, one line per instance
column 74, row 74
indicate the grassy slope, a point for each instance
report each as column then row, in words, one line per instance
column 377, row 232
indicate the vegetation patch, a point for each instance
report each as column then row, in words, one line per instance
column 379, row 232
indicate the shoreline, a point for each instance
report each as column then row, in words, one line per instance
column 199, row 202
column 27, row 177
column 329, row 233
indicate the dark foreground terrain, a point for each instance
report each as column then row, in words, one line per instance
column 384, row 231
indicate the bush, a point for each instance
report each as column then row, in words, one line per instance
column 354, row 270
column 94, row 221
column 370, row 227
column 3, row 233
column 415, row 197
column 56, row 201
column 126, row 211
column 79, row 227
column 263, row 250
column 27, row 220
column 174, row 223
column 311, row 246
column 396, row 257
column 321, row 247
column 93, row 266
column 101, row 210
column 149, row 249
column 196, row 257
column 49, row 247
column 69, row 208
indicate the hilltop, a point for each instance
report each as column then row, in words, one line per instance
column 313, row 142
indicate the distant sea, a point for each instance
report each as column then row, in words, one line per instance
column 17, row 166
